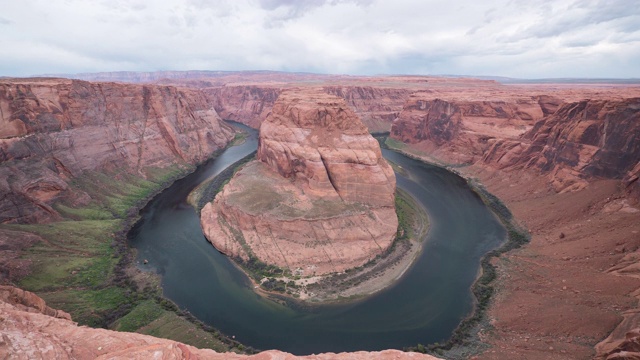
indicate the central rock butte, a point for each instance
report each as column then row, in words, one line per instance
column 319, row 198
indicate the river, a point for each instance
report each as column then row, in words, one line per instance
column 424, row 306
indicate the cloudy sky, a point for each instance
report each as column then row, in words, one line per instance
column 515, row 38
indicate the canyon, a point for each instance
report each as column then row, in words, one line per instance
column 319, row 199
column 563, row 157
column 54, row 130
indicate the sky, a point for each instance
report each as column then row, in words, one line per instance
column 512, row 38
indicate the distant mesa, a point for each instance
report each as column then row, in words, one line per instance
column 319, row 198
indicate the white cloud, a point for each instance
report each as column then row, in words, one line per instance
column 496, row 37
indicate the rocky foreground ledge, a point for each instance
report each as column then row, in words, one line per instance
column 31, row 330
column 320, row 197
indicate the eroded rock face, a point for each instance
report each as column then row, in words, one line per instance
column 461, row 131
column 14, row 266
column 376, row 106
column 248, row 104
column 53, row 130
column 571, row 142
column 316, row 139
column 320, row 198
column 632, row 184
column 591, row 139
column 31, row 330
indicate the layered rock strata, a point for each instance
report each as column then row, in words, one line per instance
column 461, row 131
column 581, row 141
column 320, row 197
column 571, row 142
column 376, row 106
column 32, row 330
column 52, row 130
column 248, row 104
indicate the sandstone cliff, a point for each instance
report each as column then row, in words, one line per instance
column 318, row 140
column 320, row 199
column 461, row 130
column 376, row 106
column 570, row 142
column 52, row 130
column 31, row 330
column 248, row 104
column 590, row 139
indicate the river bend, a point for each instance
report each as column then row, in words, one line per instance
column 424, row 306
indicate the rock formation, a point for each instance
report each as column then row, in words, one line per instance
column 572, row 142
column 248, row 104
column 31, row 330
column 376, row 106
column 632, row 185
column 590, row 139
column 461, row 130
column 320, row 197
column 52, row 130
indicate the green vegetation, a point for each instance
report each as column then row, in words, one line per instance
column 272, row 284
column 170, row 325
column 239, row 138
column 79, row 266
column 143, row 314
column 413, row 222
column 259, row 270
column 83, row 264
column 120, row 193
column 73, row 269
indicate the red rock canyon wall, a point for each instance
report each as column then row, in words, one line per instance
column 53, row 130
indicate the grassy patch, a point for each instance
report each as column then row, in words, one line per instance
column 92, row 307
column 115, row 194
column 413, row 221
column 239, row 138
column 394, row 144
column 75, row 265
column 411, row 151
column 143, row 314
column 171, row 326
column 73, row 269
column 72, row 253
column 86, row 213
